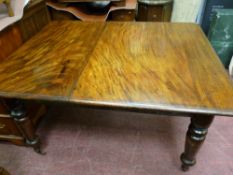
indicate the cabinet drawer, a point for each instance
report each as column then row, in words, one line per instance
column 154, row 12
column 123, row 15
column 8, row 127
column 3, row 108
column 150, row 13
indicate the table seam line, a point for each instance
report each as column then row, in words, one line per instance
column 88, row 58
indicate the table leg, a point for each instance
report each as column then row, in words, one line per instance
column 195, row 137
column 19, row 114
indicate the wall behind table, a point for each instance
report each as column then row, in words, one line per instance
column 185, row 10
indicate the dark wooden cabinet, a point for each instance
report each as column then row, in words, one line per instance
column 60, row 15
column 87, row 11
column 154, row 10
column 8, row 128
column 123, row 15
column 35, row 17
column 11, row 38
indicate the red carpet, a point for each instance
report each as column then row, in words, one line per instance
column 97, row 142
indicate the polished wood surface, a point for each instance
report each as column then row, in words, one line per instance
column 149, row 66
column 155, row 66
column 48, row 65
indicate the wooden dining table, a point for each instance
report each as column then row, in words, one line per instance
column 160, row 68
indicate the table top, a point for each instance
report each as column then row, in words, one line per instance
column 148, row 66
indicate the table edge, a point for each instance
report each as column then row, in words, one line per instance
column 132, row 106
column 153, row 107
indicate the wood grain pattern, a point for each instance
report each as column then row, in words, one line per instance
column 155, row 66
column 47, row 65
column 146, row 66
column 35, row 17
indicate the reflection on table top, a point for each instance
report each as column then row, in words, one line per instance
column 156, row 66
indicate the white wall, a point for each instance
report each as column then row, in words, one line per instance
column 186, row 10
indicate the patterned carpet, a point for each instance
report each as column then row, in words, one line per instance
column 81, row 141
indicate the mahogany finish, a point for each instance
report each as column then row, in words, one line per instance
column 10, row 40
column 21, row 117
column 149, row 67
column 10, row 127
column 154, row 10
column 48, row 65
column 195, row 137
column 123, row 15
column 158, row 66
column 35, row 17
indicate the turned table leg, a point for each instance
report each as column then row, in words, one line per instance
column 19, row 114
column 195, row 137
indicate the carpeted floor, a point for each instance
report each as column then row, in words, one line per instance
column 97, row 142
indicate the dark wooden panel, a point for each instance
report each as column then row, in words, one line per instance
column 167, row 12
column 8, row 127
column 61, row 15
column 123, row 15
column 149, row 13
column 10, row 40
column 154, row 12
column 34, row 19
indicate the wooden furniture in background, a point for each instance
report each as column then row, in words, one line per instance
column 123, row 10
column 9, row 129
column 101, row 65
column 85, row 0
column 123, row 15
column 60, row 15
column 34, row 19
column 10, row 40
column 154, row 10
column 8, row 5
